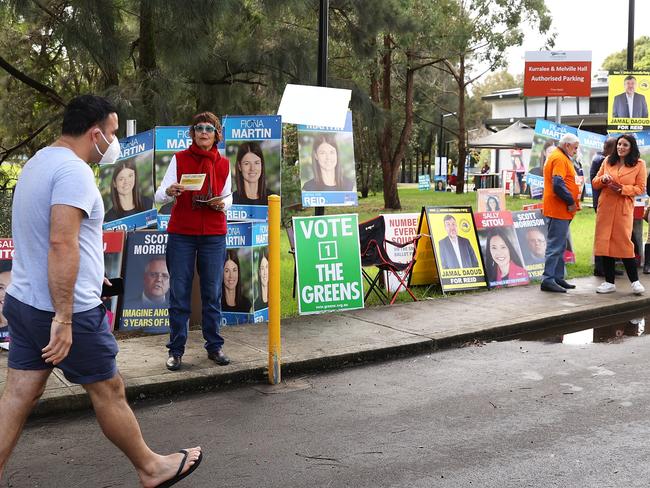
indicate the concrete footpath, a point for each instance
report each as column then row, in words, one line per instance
column 316, row 343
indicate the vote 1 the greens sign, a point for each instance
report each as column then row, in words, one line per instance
column 328, row 263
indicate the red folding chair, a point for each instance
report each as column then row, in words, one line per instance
column 372, row 238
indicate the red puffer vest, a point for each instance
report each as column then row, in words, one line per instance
column 200, row 220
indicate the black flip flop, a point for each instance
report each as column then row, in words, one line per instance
column 180, row 476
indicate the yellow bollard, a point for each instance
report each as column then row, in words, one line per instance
column 274, row 290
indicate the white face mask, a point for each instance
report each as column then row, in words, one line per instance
column 112, row 152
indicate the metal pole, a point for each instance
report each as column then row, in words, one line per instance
column 440, row 146
column 630, row 37
column 323, row 27
column 558, row 110
column 131, row 127
column 274, row 362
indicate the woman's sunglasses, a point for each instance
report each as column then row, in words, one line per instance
column 205, row 128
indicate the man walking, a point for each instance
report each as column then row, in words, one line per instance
column 53, row 306
column 560, row 205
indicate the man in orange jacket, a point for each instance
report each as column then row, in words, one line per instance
column 561, row 203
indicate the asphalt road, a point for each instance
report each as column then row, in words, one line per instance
column 515, row 414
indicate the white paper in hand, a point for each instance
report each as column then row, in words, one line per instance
column 192, row 181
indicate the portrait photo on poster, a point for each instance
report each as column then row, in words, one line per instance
column 327, row 161
column 147, row 283
column 237, row 283
column 456, row 251
column 261, row 278
column 440, row 183
column 504, row 265
column 126, row 187
column 255, row 170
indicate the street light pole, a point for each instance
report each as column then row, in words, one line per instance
column 323, row 28
column 440, row 146
column 441, row 143
column 630, row 37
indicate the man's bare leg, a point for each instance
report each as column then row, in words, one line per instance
column 121, row 427
column 22, row 391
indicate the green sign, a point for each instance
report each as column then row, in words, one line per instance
column 328, row 263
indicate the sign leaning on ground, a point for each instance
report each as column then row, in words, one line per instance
column 557, row 74
column 424, row 182
column 455, row 244
column 328, row 263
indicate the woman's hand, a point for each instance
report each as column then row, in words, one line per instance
column 615, row 187
column 174, row 190
column 217, row 205
column 605, row 178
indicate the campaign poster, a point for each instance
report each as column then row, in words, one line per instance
column 491, row 200
column 531, row 234
column 590, row 145
column 146, row 283
column 535, row 185
column 440, row 183
column 504, row 264
column 456, row 247
column 6, row 259
column 327, row 167
column 547, row 135
column 627, row 109
column 328, row 263
column 424, row 183
column 113, row 254
column 642, row 140
column 244, row 294
column 254, row 148
column 260, row 284
column 168, row 141
column 399, row 228
column 237, row 285
column 127, row 185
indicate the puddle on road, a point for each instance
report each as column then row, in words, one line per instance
column 578, row 334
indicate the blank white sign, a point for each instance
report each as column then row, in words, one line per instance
column 314, row 105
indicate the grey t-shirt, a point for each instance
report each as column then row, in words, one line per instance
column 55, row 175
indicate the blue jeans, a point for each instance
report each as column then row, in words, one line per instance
column 556, row 239
column 209, row 254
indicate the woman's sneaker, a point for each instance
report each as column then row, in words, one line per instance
column 637, row 288
column 608, row 287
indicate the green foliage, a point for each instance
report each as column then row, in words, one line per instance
column 618, row 61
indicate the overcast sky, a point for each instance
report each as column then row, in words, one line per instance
column 599, row 26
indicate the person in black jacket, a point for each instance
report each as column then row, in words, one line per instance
column 596, row 163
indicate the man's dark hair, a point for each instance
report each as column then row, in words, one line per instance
column 5, row 265
column 629, row 77
column 83, row 112
column 448, row 217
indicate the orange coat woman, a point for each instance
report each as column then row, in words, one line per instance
column 621, row 177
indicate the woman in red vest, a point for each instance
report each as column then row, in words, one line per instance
column 197, row 236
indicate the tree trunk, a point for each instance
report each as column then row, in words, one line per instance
column 389, row 165
column 147, row 63
column 462, row 150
